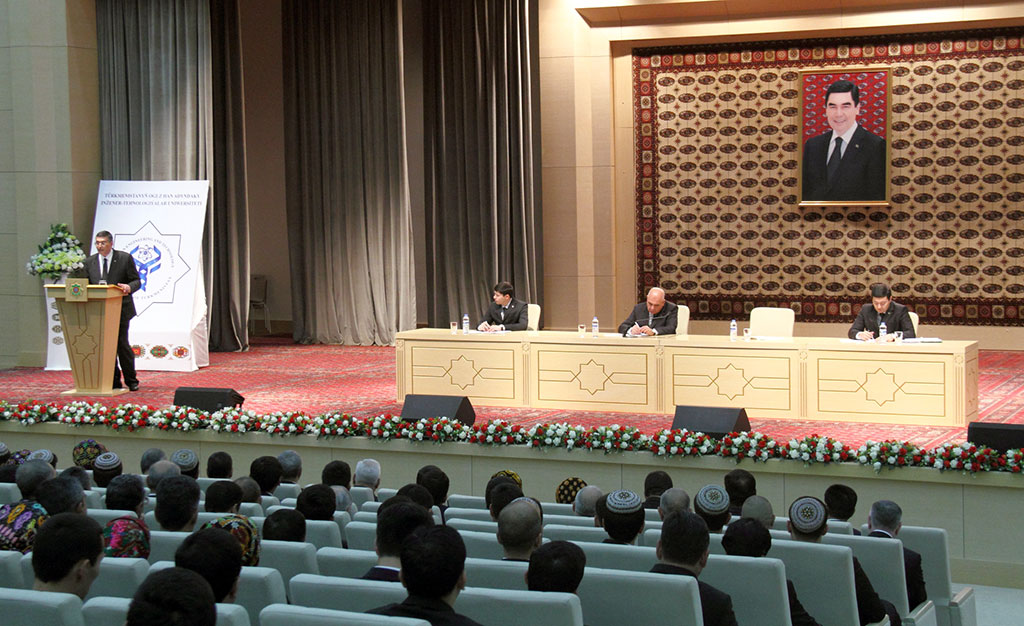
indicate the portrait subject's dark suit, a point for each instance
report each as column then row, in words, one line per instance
column 861, row 173
column 120, row 269
column 896, row 317
column 664, row 322
column 515, row 315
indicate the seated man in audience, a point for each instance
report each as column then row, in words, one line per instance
column 317, row 502
column 673, row 500
column 291, row 467
column 337, row 473
column 219, row 465
column 885, row 520
column 624, row 518
column 30, row 475
column 187, row 462
column 105, row 468
column 223, row 496
column 67, row 554
column 285, row 525
column 78, row 473
column 683, row 550
column 149, row 457
column 501, row 496
column 712, row 504
column 434, row 573
column 841, row 503
column 740, row 485
column 493, row 482
column 266, row 471
column 520, row 530
column 177, row 503
column 808, row 522
column 250, row 489
column 748, row 537
column 760, row 510
column 397, row 518
column 586, row 499
column 159, row 471
column 367, row 475
column 61, row 495
column 556, row 566
column 418, row 494
column 128, row 535
column 216, row 556
column 433, row 479
column 655, row 484
column 173, row 597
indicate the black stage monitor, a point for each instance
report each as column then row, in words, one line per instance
column 418, row 406
column 712, row 421
column 207, row 398
column 1001, row 437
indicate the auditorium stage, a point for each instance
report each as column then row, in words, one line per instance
column 277, row 374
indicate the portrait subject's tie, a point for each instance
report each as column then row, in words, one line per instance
column 833, row 160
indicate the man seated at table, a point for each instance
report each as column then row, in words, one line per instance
column 654, row 317
column 505, row 312
column 882, row 309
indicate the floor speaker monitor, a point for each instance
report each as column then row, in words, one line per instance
column 712, row 421
column 1002, row 437
column 207, row 398
column 418, row 406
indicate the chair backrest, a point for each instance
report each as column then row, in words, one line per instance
column 257, row 289
column 473, row 524
column 323, row 534
column 105, row 611
column 602, row 591
column 119, row 577
column 250, row 509
column 104, row 516
column 287, row 490
column 383, row 493
column 882, row 560
column 287, row 615
column 289, row 557
column 932, row 544
column 369, row 517
column 345, row 562
column 556, row 508
column 163, row 544
column 28, row 576
column 837, row 527
column 369, row 506
column 683, row 320
column 268, row 501
column 9, row 493
column 343, row 594
column 757, row 586
column 206, row 482
column 10, row 569
column 24, row 606
column 482, row 545
column 496, row 574
column 233, row 615
column 459, row 513
column 771, row 322
column 614, row 556
column 94, row 500
column 823, row 578
column 568, row 520
column 361, row 535
column 915, row 319
column 507, row 607
column 532, row 316
column 576, row 534
column 462, row 501
column 361, row 495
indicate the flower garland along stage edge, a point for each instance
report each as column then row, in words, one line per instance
column 960, row 457
column 60, row 254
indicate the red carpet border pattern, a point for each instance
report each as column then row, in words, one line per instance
column 277, row 375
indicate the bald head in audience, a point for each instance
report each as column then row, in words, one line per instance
column 520, row 529
column 586, row 501
column 760, row 509
column 160, row 470
column 673, row 500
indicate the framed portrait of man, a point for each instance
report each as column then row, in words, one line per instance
column 844, row 126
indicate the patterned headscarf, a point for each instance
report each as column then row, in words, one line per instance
column 244, row 531
column 126, row 536
column 19, row 522
column 19, row 457
column 566, row 491
column 85, row 452
column 510, row 474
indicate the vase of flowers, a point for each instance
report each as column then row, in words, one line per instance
column 58, row 256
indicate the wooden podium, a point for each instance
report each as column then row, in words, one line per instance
column 90, row 316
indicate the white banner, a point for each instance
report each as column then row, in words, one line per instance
column 161, row 224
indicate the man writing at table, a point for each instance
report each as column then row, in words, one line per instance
column 505, row 312
column 882, row 309
column 654, row 317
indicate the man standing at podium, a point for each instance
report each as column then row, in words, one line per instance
column 114, row 267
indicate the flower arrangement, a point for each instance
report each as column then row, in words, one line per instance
column 58, row 255
column 964, row 457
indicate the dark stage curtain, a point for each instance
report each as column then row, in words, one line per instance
column 157, row 65
column 349, row 222
column 482, row 162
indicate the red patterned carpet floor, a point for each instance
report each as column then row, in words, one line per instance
column 279, row 375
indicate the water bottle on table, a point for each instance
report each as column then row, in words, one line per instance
column 595, row 328
column 732, row 330
column 465, row 323
column 881, row 331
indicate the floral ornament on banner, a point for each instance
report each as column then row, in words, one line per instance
column 817, row 449
column 60, row 254
column 879, row 454
column 965, row 457
column 681, row 442
column 498, row 432
column 616, row 438
column 752, row 445
column 559, row 435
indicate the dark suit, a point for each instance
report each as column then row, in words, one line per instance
column 382, row 573
column 120, row 270
column 896, row 317
column 916, row 593
column 515, row 316
column 716, row 605
column 870, row 607
column 433, row 610
column 664, row 322
column 861, row 173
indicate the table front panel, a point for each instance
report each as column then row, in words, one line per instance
column 490, row 374
column 620, row 378
column 764, row 382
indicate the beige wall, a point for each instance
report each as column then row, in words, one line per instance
column 587, row 136
column 49, row 152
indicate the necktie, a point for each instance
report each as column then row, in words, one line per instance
column 103, row 276
column 503, row 309
column 833, row 160
column 650, row 318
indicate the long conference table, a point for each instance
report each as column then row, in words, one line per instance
column 805, row 378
